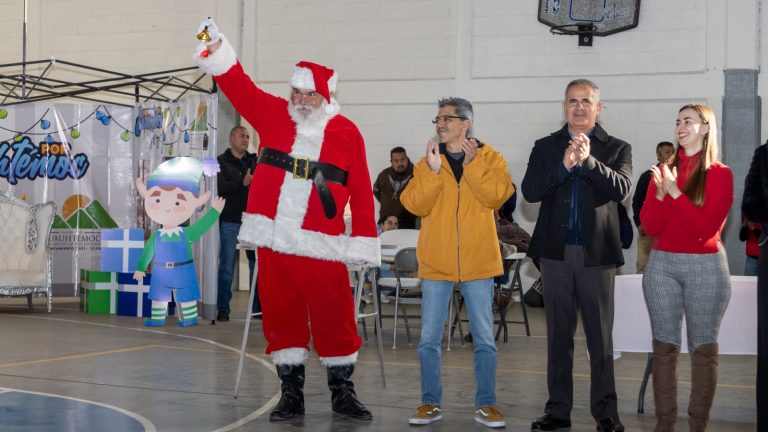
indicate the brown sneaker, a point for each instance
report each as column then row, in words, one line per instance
column 426, row 414
column 490, row 416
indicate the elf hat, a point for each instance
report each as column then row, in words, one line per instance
column 181, row 172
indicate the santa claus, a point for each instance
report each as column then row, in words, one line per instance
column 311, row 163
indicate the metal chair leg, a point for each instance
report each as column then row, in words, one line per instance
column 247, row 329
column 394, row 327
column 377, row 328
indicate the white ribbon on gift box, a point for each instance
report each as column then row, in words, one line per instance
column 111, row 286
column 139, row 288
column 125, row 244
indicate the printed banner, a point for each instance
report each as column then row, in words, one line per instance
column 85, row 157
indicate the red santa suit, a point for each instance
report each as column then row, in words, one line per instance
column 302, row 252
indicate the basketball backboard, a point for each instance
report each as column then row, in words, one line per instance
column 597, row 17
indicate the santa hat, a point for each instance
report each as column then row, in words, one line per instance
column 312, row 76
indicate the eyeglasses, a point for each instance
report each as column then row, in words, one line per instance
column 446, row 119
column 576, row 102
column 297, row 94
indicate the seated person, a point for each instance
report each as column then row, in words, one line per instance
column 387, row 223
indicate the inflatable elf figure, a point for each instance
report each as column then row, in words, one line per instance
column 171, row 196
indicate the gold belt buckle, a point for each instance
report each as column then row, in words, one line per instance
column 299, row 175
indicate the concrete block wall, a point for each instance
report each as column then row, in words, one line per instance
column 395, row 58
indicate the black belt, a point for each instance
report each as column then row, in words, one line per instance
column 171, row 264
column 303, row 168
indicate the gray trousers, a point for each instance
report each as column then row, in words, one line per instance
column 697, row 286
column 570, row 286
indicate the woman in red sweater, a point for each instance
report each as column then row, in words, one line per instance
column 687, row 273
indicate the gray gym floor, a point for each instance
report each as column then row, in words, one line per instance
column 69, row 371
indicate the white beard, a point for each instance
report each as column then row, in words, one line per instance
column 316, row 117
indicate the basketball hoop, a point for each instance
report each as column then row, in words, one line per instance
column 588, row 18
column 585, row 31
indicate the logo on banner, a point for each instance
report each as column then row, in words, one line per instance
column 21, row 159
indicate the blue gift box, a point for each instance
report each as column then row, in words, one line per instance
column 132, row 297
column 120, row 249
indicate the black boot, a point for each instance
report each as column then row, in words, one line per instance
column 343, row 397
column 292, row 400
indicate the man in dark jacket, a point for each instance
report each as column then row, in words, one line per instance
column 390, row 182
column 233, row 182
column 754, row 207
column 579, row 174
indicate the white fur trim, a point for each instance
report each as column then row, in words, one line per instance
column 332, row 82
column 303, row 79
column 340, row 360
column 290, row 356
column 219, row 62
column 260, row 231
column 364, row 249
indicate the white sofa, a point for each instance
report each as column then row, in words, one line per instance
column 24, row 233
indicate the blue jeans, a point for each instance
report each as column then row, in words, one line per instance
column 478, row 296
column 227, row 254
column 750, row 266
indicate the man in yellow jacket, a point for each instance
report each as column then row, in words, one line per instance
column 455, row 189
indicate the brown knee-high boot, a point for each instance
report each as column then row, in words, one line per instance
column 665, row 385
column 704, row 365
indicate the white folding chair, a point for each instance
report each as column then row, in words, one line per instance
column 361, row 316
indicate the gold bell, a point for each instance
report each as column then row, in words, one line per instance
column 204, row 35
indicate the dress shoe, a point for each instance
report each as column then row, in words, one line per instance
column 222, row 316
column 549, row 423
column 610, row 425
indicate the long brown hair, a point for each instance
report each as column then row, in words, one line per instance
column 696, row 185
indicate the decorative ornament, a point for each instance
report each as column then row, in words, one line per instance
column 186, row 137
column 137, row 127
column 3, row 113
column 49, row 139
column 75, row 133
column 18, row 138
column 210, row 166
column 99, row 115
column 105, row 120
column 125, row 136
column 45, row 124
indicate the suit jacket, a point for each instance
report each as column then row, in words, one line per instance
column 605, row 179
column 754, row 205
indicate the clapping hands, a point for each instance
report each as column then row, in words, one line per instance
column 577, row 151
column 433, row 155
column 665, row 180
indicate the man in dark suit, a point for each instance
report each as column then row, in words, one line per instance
column 579, row 174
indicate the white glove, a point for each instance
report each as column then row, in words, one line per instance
column 213, row 30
